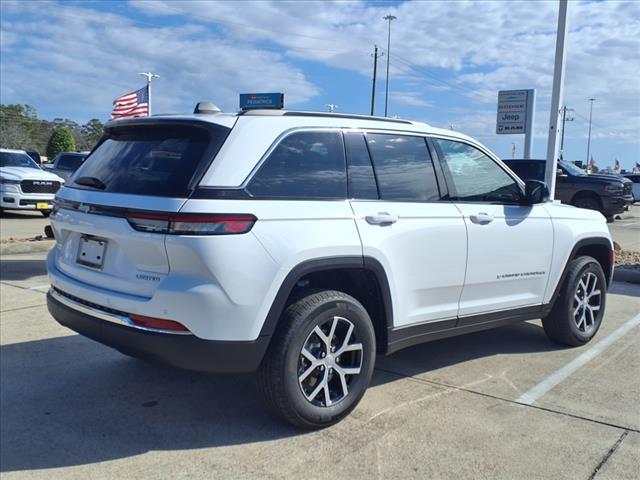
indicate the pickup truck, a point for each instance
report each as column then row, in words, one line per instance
column 608, row 194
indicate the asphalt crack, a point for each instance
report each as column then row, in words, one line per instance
column 608, row 454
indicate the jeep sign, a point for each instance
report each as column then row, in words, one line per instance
column 513, row 107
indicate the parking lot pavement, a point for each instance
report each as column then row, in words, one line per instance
column 626, row 230
column 21, row 225
column 71, row 408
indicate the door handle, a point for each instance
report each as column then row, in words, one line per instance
column 382, row 218
column 482, row 218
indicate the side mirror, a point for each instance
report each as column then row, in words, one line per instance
column 535, row 192
column 560, row 173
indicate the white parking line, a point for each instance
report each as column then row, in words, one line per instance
column 555, row 378
column 40, row 287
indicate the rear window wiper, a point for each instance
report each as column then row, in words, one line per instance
column 91, row 182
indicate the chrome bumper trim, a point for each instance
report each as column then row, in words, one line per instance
column 107, row 316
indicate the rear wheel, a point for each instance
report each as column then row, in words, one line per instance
column 577, row 313
column 320, row 361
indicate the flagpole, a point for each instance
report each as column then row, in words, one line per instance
column 149, row 76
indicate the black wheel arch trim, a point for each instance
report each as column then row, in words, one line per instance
column 585, row 242
column 321, row 264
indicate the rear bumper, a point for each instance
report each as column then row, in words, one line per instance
column 182, row 351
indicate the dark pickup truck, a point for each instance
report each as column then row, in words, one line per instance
column 609, row 194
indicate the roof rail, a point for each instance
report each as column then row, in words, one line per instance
column 293, row 113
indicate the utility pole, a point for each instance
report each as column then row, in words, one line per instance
column 331, row 107
column 556, row 99
column 565, row 118
column 590, row 117
column 375, row 72
column 149, row 76
column 389, row 18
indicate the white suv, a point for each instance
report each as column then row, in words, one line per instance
column 24, row 185
column 303, row 244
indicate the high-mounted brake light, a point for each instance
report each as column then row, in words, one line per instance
column 191, row 223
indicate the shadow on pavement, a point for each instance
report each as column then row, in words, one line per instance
column 20, row 214
column 21, row 269
column 625, row 288
column 70, row 401
column 513, row 339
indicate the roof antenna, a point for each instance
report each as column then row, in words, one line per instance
column 206, row 107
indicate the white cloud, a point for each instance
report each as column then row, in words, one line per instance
column 78, row 60
column 454, row 56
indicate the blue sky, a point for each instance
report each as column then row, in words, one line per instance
column 448, row 61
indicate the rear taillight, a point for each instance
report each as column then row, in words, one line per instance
column 157, row 323
column 191, row 223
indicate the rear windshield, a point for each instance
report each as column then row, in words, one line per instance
column 159, row 160
column 527, row 170
column 70, row 162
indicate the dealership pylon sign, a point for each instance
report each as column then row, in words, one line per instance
column 516, row 113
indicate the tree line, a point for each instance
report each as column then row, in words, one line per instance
column 20, row 128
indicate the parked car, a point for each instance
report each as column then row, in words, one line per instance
column 608, row 194
column 302, row 244
column 635, row 180
column 24, row 185
column 64, row 164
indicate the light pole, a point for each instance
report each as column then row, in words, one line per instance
column 149, row 76
column 551, row 166
column 589, row 138
column 389, row 18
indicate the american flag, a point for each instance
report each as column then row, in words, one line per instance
column 134, row 104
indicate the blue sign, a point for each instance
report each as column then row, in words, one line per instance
column 250, row 101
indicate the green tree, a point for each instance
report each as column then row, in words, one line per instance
column 91, row 131
column 61, row 141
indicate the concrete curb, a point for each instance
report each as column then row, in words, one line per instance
column 631, row 275
column 26, row 247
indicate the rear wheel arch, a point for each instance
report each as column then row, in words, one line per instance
column 363, row 278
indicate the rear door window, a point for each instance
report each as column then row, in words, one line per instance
column 403, row 168
column 305, row 165
column 160, row 160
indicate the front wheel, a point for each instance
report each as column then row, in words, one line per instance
column 320, row 362
column 577, row 313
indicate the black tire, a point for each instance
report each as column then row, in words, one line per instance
column 585, row 201
column 284, row 363
column 45, row 213
column 561, row 325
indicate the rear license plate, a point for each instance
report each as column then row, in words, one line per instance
column 91, row 251
column 42, row 205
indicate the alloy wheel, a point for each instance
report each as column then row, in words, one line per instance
column 586, row 302
column 329, row 362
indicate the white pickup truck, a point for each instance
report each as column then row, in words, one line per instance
column 24, row 185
